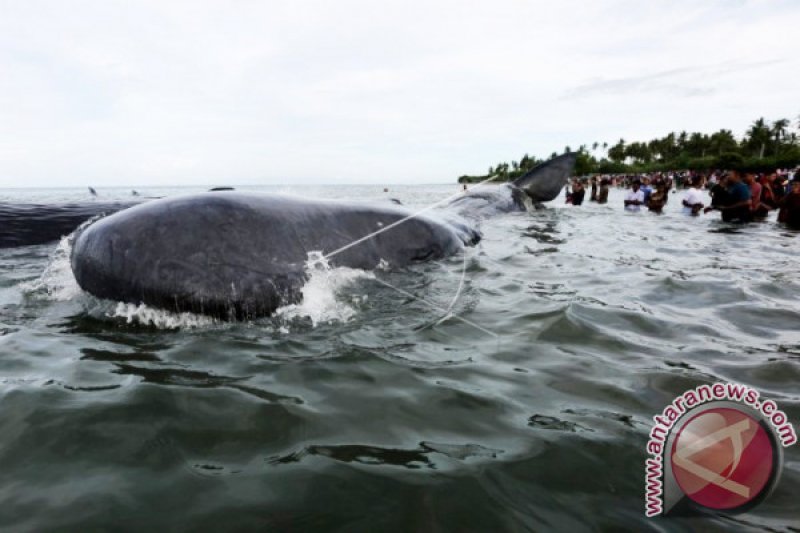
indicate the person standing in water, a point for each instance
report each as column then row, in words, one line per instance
column 790, row 205
column 658, row 198
column 755, row 193
column 634, row 200
column 578, row 192
column 693, row 199
column 646, row 189
column 735, row 203
column 602, row 196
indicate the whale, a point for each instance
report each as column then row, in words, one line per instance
column 237, row 256
column 32, row 224
column 40, row 223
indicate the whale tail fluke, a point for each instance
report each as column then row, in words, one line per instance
column 545, row 181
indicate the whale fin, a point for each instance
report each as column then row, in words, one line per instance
column 545, row 181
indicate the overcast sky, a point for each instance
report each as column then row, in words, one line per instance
column 248, row 92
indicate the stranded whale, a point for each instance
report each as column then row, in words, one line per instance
column 237, row 255
column 29, row 224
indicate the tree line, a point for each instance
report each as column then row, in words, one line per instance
column 765, row 146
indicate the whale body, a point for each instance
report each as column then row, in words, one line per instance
column 242, row 255
column 30, row 224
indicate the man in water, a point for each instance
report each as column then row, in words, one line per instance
column 735, row 203
column 693, row 199
column 790, row 205
column 755, row 195
column 593, row 197
column 718, row 193
column 646, row 189
column 658, row 198
column 578, row 192
column 634, row 200
column 602, row 196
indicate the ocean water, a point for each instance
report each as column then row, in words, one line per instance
column 510, row 388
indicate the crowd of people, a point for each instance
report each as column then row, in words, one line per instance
column 738, row 196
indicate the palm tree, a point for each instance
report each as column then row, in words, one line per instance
column 654, row 147
column 682, row 137
column 758, row 137
column 617, row 152
column 722, row 141
column 697, row 144
column 779, row 128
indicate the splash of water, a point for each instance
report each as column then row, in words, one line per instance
column 57, row 282
column 321, row 302
column 148, row 316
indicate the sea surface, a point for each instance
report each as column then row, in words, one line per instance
column 511, row 388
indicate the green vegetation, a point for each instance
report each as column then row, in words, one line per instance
column 764, row 147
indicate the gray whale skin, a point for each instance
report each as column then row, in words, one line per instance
column 237, row 256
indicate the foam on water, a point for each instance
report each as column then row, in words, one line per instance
column 57, row 282
column 322, row 300
column 149, row 316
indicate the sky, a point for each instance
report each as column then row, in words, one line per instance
column 113, row 93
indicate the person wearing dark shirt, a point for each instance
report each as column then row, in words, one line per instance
column 593, row 197
column 790, row 206
column 735, row 203
column 778, row 188
column 578, row 192
column 718, row 193
column 602, row 196
column 658, row 198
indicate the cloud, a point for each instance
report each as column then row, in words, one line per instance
column 684, row 81
column 355, row 91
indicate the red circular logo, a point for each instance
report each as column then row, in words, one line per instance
column 722, row 458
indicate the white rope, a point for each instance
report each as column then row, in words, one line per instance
column 402, row 220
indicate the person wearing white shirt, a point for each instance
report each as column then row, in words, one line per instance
column 693, row 200
column 634, row 200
